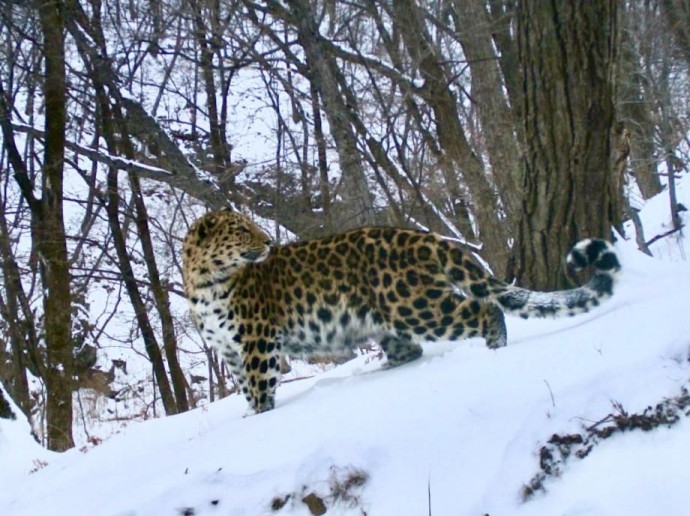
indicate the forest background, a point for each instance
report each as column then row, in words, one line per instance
column 518, row 127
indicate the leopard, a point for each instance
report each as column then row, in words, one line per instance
column 256, row 302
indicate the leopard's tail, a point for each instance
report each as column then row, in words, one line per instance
column 527, row 303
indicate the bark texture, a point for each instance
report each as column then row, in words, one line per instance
column 52, row 246
column 568, row 54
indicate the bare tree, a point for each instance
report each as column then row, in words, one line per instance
column 322, row 72
column 634, row 107
column 18, row 317
column 677, row 14
column 449, row 131
column 112, row 121
column 474, row 29
column 48, row 228
column 568, row 57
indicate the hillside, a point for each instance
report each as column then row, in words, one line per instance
column 458, row 432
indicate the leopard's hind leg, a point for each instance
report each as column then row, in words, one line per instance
column 493, row 326
column 400, row 350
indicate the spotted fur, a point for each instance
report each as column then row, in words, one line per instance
column 254, row 301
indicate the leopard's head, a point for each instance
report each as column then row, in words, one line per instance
column 221, row 243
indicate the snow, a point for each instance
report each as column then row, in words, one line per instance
column 455, row 433
column 19, row 452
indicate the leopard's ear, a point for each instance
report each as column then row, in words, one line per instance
column 206, row 225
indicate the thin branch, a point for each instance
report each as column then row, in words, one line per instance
column 664, row 235
column 20, row 172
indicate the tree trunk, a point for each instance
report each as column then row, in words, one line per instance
column 451, row 136
column 111, row 117
column 150, row 343
column 322, row 160
column 567, row 53
column 669, row 141
column 495, row 115
column 636, row 111
column 219, row 146
column 16, row 379
column 17, row 311
column 160, row 296
column 677, row 14
column 52, row 246
column 355, row 190
column 503, row 14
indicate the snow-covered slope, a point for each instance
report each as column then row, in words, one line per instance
column 19, row 452
column 456, row 433
column 463, row 423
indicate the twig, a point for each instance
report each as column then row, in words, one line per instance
column 428, row 487
column 553, row 401
column 663, row 235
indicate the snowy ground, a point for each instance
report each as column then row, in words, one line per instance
column 455, row 433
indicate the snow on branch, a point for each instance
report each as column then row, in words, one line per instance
column 99, row 155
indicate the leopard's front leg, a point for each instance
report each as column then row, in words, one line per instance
column 262, row 370
column 235, row 362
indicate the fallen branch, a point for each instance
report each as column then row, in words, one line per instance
column 554, row 455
